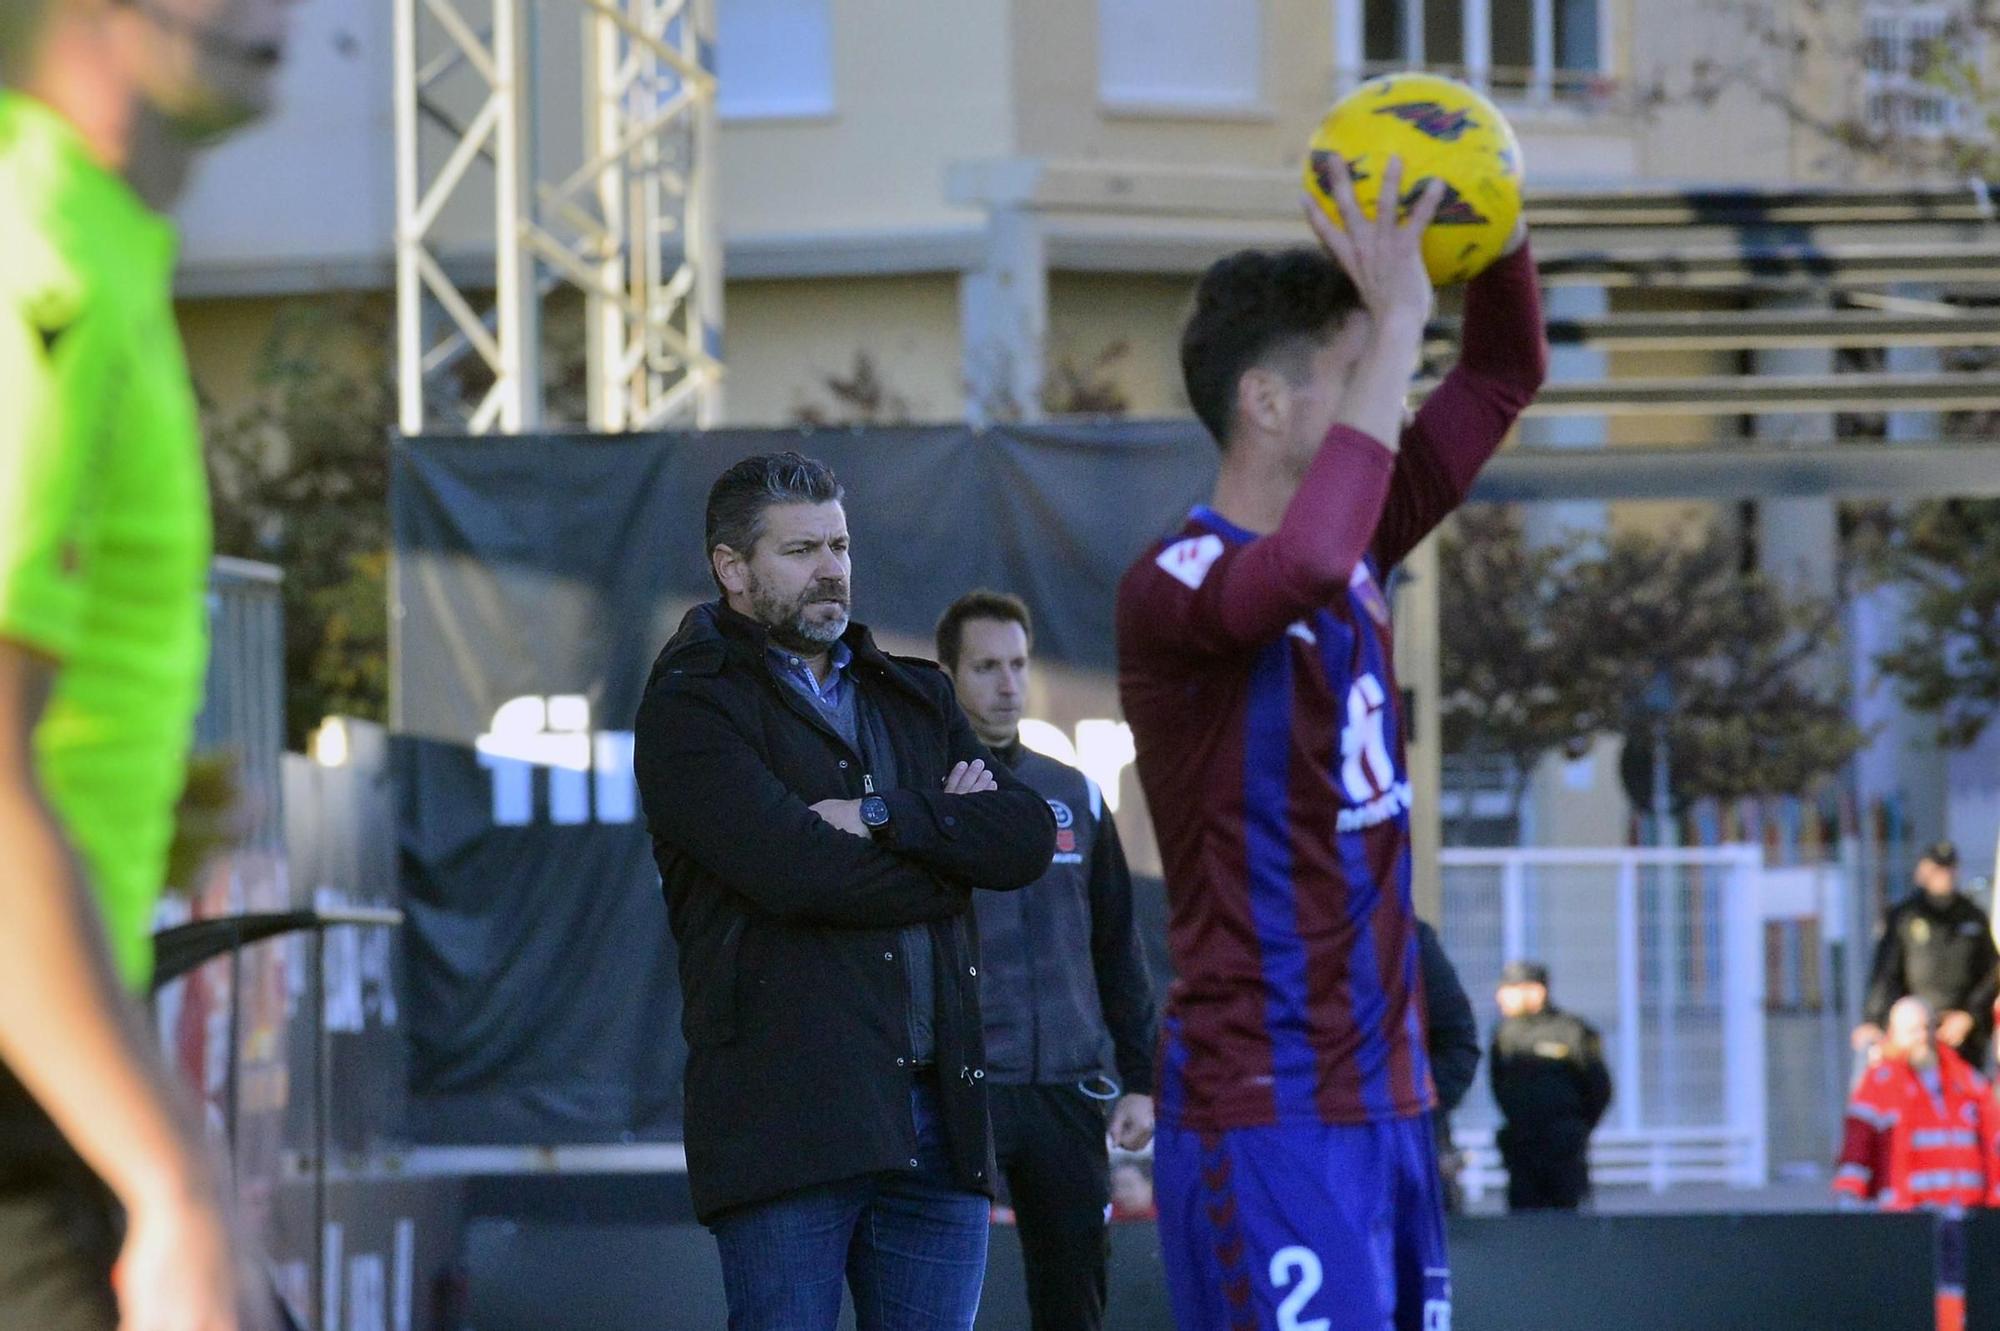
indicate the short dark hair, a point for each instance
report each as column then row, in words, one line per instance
column 1008, row 609
column 737, row 500
column 1257, row 307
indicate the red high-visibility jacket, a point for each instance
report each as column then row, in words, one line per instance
column 1906, row 1148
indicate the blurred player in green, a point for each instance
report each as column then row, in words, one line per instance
column 110, row 1212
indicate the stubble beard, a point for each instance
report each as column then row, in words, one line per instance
column 787, row 621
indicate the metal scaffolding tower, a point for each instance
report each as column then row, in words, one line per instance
column 482, row 237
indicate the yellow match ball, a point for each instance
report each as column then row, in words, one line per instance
column 1442, row 129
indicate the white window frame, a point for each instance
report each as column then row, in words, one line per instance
column 799, row 99
column 1895, row 99
column 1475, row 61
column 1161, row 101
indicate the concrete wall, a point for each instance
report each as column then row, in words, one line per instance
column 1091, row 313
column 916, row 88
column 787, row 338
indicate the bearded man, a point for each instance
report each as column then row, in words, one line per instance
column 821, row 813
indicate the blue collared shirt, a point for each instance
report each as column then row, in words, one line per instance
column 830, row 697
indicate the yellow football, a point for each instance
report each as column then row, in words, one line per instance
column 1442, row 129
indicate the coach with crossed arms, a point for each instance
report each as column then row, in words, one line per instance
column 821, row 813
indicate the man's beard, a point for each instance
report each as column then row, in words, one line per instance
column 786, row 621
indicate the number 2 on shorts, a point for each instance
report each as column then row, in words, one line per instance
column 1288, row 1264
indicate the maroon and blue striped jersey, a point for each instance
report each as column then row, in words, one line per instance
column 1258, row 676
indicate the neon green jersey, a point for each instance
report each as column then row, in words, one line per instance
column 104, row 523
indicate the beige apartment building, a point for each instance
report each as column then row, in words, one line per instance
column 967, row 194
column 998, row 207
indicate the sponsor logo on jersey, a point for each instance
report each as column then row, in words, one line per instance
column 1367, row 767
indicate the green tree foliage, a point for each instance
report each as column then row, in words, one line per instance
column 1947, row 553
column 1509, row 681
column 1545, row 648
column 300, row 478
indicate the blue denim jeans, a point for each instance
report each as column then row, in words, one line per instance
column 911, row 1247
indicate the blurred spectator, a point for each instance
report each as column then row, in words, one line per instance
column 1552, row 1086
column 1936, row 944
column 1919, row 1124
column 1451, row 1037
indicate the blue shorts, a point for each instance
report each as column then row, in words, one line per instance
column 1304, row 1228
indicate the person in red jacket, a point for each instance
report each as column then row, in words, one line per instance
column 1918, row 1125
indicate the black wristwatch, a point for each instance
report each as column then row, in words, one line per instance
column 874, row 813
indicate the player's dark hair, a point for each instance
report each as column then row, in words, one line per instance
column 737, row 500
column 1000, row 606
column 1259, row 308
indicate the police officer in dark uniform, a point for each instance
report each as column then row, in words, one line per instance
column 1064, row 992
column 1938, row 945
column 1552, row 1087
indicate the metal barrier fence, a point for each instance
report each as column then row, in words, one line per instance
column 1661, row 950
column 243, row 701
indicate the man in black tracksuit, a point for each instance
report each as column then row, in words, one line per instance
column 1552, row 1087
column 1067, row 1002
column 1451, row 1038
column 1938, row 945
column 821, row 813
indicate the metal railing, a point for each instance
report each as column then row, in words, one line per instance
column 1661, row 950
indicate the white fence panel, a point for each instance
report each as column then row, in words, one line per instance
column 1661, row 950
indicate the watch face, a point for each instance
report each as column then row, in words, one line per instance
column 874, row 811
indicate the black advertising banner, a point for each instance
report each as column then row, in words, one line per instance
column 535, row 579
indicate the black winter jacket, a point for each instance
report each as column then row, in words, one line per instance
column 1064, row 988
column 1451, row 1031
column 1941, row 950
column 1551, row 1083
column 794, row 997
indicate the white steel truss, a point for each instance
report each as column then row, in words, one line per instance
column 633, row 227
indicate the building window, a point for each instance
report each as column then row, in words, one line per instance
column 774, row 59
column 1522, row 50
column 1181, row 56
column 1907, row 63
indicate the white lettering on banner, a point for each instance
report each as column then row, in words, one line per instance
column 589, row 775
column 367, row 1294
column 1102, row 750
column 403, row 1308
column 1189, row 561
column 1304, row 1265
column 1367, row 769
column 329, row 1256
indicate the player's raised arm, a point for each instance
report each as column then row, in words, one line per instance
column 1299, row 367
column 1503, row 358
